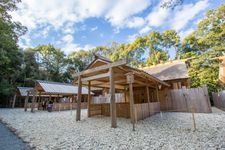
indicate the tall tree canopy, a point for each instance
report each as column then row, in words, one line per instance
column 10, row 54
column 203, row 45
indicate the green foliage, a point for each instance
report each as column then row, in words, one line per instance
column 49, row 63
column 52, row 61
column 203, row 45
column 10, row 54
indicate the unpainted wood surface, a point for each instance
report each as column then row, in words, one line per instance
column 184, row 100
column 145, row 110
column 122, row 110
column 219, row 100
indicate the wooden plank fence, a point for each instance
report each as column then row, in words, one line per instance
column 145, row 110
column 61, row 106
column 219, row 100
column 186, row 100
column 122, row 109
column 119, row 98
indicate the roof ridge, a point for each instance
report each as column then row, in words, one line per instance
column 53, row 82
column 164, row 64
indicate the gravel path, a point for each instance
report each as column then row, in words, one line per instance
column 9, row 141
column 59, row 130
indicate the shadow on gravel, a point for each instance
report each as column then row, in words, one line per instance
column 9, row 140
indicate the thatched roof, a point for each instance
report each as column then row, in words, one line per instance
column 169, row 71
column 23, row 90
column 59, row 88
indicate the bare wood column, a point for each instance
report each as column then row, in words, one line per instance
column 26, row 101
column 89, row 98
column 148, row 97
column 33, row 100
column 157, row 92
column 79, row 99
column 112, row 99
column 14, row 101
column 130, row 81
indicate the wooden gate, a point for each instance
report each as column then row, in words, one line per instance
column 186, row 100
column 219, row 100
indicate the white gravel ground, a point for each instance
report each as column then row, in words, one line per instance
column 59, row 130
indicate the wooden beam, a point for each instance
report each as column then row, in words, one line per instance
column 106, row 85
column 121, row 81
column 100, row 68
column 130, row 80
column 79, row 99
column 14, row 101
column 89, row 98
column 157, row 93
column 99, row 76
column 26, row 101
column 143, row 83
column 112, row 99
column 148, row 97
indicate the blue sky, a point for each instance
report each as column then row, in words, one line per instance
column 83, row 24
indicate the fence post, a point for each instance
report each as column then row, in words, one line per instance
column 205, row 89
column 193, row 118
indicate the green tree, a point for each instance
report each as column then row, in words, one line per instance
column 10, row 54
column 171, row 40
column 203, row 45
column 157, row 54
column 52, row 61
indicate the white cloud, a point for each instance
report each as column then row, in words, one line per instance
column 94, row 28
column 131, row 38
column 187, row 13
column 67, row 38
column 135, row 22
column 47, row 15
column 158, row 16
column 145, row 30
column 71, row 47
column 121, row 11
column 68, row 28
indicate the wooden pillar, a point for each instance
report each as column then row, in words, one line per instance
column 89, row 98
column 157, row 92
column 14, row 101
column 112, row 99
column 26, row 101
column 126, row 94
column 130, row 81
column 33, row 100
column 148, row 97
column 79, row 99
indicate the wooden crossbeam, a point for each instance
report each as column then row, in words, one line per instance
column 100, row 68
column 99, row 76
column 143, row 83
column 106, row 85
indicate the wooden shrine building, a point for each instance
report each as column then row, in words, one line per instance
column 139, row 90
column 20, row 95
column 62, row 95
column 174, row 73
